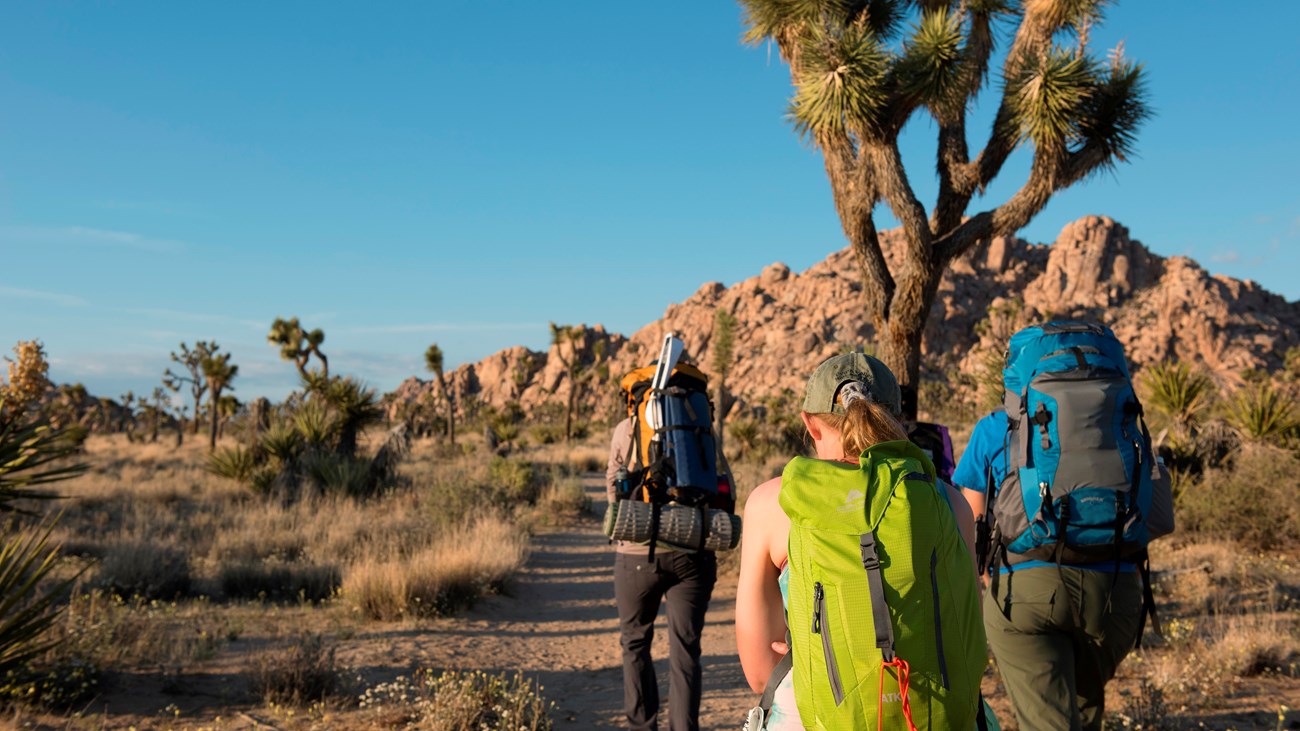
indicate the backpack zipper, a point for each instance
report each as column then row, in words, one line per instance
column 938, row 626
column 828, row 651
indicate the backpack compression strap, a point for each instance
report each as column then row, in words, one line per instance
column 779, row 672
column 884, row 627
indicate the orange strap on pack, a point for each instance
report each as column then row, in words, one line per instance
column 903, row 670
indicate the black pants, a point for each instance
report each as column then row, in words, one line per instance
column 686, row 579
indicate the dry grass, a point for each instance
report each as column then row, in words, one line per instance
column 448, row 574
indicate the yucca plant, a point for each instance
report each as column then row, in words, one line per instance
column 1180, row 395
column 357, row 407
column 26, row 560
column 862, row 69
column 1263, row 413
column 315, row 423
column 338, row 474
column 233, row 463
column 30, row 453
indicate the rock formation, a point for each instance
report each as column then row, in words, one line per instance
column 1161, row 308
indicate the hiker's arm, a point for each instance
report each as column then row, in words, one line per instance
column 618, row 445
column 976, row 500
column 760, row 616
column 961, row 510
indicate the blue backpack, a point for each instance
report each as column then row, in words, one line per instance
column 1078, row 487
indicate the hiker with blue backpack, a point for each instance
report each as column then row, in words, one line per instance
column 857, row 605
column 1067, row 495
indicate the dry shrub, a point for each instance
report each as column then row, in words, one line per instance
column 1254, row 501
column 1207, row 657
column 452, row 572
column 1145, row 711
column 146, row 570
column 108, row 631
column 275, row 581
column 463, row 701
column 303, row 673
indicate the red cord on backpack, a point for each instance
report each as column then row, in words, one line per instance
column 903, row 670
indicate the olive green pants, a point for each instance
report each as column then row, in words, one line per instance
column 1055, row 670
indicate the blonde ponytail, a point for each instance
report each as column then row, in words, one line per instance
column 864, row 424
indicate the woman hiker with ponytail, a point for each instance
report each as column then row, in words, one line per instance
column 851, row 412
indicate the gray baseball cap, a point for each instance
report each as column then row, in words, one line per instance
column 821, row 396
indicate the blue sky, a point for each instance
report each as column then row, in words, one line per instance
column 464, row 172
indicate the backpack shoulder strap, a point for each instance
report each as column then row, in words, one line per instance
column 779, row 672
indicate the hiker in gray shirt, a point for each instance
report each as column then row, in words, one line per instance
column 686, row 581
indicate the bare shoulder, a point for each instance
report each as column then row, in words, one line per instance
column 764, row 498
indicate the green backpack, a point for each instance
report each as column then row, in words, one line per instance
column 883, row 611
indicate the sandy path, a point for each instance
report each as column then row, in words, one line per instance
column 559, row 625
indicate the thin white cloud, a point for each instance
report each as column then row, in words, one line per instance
column 86, row 236
column 66, row 300
column 436, row 327
column 1226, row 257
column 179, row 316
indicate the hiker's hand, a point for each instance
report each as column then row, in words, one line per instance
column 780, row 648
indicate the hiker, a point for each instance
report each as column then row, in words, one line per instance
column 1060, row 615
column 907, row 535
column 645, row 576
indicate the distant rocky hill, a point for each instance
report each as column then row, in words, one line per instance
column 1161, row 307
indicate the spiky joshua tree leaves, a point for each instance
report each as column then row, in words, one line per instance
column 862, row 68
column 299, row 346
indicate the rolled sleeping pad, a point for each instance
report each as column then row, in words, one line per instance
column 630, row 520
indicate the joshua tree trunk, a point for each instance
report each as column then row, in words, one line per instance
column 568, row 409
column 180, row 433
column 720, row 416
column 212, row 440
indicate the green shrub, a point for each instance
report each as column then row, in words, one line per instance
column 1254, row 501
column 517, row 479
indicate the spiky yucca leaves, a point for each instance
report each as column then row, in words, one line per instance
column 356, row 406
column 233, row 463
column 29, row 457
column 1262, row 412
column 858, row 79
column 317, row 424
column 1179, row 394
column 336, row 474
column 26, row 560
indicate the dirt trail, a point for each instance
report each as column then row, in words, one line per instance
column 559, row 625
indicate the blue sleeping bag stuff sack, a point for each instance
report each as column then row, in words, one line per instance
column 1078, row 486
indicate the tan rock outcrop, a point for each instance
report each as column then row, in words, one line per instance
column 788, row 322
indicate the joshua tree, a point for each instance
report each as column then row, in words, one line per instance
column 299, row 345
column 579, row 372
column 219, row 372
column 192, row 361
column 724, row 343
column 434, row 362
column 859, row 77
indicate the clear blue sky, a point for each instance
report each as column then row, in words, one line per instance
column 464, row 172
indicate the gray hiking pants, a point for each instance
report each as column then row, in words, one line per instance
column 1054, row 669
column 686, row 580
